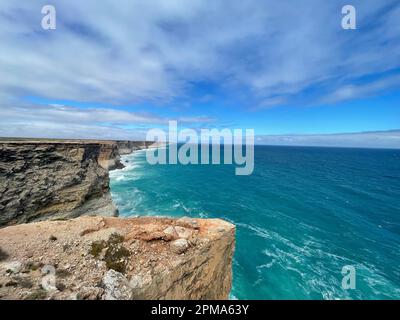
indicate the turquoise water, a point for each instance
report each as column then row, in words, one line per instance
column 301, row 216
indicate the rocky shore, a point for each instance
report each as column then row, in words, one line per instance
column 73, row 247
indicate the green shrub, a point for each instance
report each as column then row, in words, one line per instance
column 115, row 254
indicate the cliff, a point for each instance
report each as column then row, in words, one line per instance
column 113, row 258
column 97, row 256
column 127, row 147
column 57, row 178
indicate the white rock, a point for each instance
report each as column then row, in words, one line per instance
column 116, row 286
column 14, row 266
column 183, row 233
column 140, row 281
column 171, row 232
column 179, row 246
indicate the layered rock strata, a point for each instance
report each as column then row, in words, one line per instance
column 57, row 178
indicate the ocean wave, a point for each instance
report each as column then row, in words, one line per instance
column 318, row 268
column 293, row 238
column 132, row 170
column 189, row 210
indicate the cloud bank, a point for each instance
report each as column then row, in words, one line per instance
column 153, row 50
column 379, row 139
column 261, row 54
column 59, row 121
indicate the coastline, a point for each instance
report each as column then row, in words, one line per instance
column 289, row 215
column 57, row 213
column 52, row 179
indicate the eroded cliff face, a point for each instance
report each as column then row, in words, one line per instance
column 127, row 147
column 56, row 179
column 114, row 258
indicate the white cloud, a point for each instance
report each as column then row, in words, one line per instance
column 60, row 121
column 376, row 139
column 351, row 91
column 266, row 53
column 152, row 50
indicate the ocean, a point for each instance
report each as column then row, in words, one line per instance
column 303, row 215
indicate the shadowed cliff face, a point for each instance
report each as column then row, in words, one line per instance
column 126, row 147
column 57, row 179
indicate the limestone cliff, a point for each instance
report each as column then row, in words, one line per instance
column 114, row 258
column 57, row 178
column 97, row 257
column 127, row 147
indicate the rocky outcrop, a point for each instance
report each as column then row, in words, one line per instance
column 127, row 147
column 56, row 179
column 114, row 258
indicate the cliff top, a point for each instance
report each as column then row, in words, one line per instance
column 59, row 141
column 114, row 258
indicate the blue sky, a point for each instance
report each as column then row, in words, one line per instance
column 113, row 71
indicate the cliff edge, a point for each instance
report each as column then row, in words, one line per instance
column 66, row 254
column 113, row 258
column 51, row 179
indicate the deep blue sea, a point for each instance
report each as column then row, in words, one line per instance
column 302, row 215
